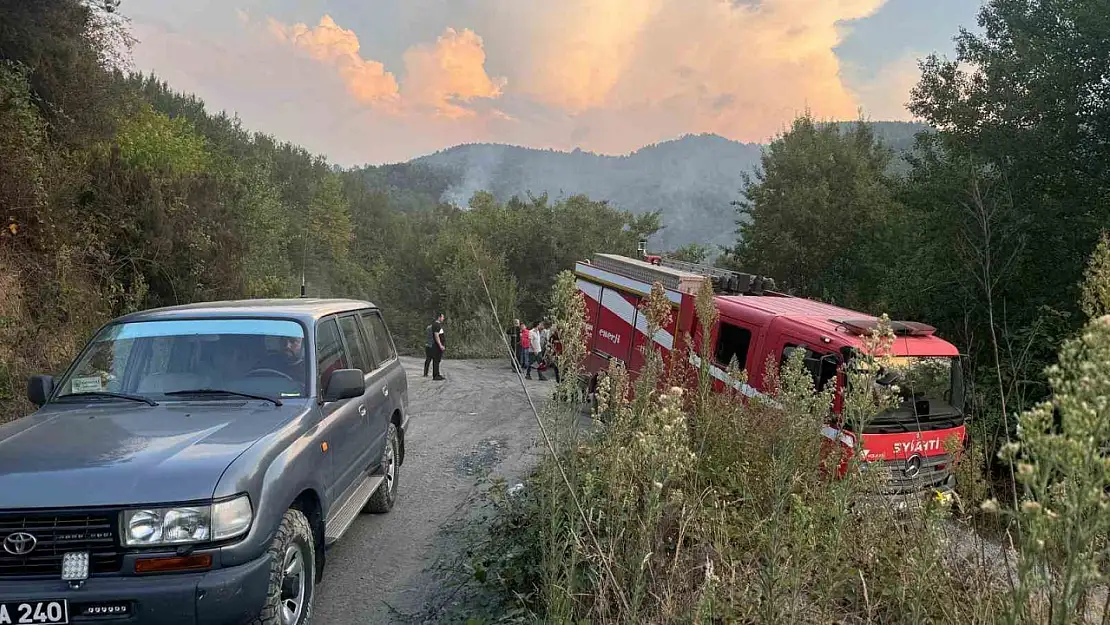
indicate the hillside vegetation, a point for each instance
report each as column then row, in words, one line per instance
column 691, row 181
column 120, row 194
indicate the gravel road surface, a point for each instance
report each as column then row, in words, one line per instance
column 474, row 423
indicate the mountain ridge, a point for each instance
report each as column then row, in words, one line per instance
column 692, row 179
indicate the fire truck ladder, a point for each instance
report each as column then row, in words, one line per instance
column 685, row 277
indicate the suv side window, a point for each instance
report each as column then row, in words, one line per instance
column 821, row 371
column 379, row 336
column 329, row 351
column 732, row 342
column 348, row 325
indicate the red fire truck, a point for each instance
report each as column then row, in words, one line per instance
column 754, row 321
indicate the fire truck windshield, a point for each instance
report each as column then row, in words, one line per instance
column 931, row 393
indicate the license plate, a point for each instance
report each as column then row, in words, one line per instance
column 38, row 612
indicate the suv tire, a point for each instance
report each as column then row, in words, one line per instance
column 382, row 499
column 291, row 594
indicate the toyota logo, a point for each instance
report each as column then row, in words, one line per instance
column 913, row 466
column 20, row 543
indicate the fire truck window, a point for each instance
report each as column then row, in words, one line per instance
column 822, row 371
column 732, row 343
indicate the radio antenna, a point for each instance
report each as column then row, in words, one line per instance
column 304, row 258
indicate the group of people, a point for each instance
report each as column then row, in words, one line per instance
column 535, row 347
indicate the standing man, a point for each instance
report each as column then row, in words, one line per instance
column 434, row 347
column 513, row 334
column 535, row 340
column 552, row 348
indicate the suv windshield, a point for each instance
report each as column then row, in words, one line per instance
column 931, row 390
column 153, row 359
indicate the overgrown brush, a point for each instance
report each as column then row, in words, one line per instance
column 693, row 506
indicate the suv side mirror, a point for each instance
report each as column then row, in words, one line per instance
column 344, row 384
column 39, row 388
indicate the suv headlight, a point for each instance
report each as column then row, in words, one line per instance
column 183, row 525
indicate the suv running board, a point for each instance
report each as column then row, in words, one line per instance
column 341, row 521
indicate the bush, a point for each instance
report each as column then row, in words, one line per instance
column 692, row 506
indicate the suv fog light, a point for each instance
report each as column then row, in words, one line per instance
column 75, row 566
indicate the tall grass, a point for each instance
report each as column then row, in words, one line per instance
column 694, row 506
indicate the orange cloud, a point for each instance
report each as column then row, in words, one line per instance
column 367, row 81
column 605, row 75
column 439, row 77
column 632, row 68
column 449, row 71
column 577, row 50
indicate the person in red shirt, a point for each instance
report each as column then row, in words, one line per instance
column 525, row 350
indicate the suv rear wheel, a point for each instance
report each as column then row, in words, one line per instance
column 383, row 498
column 292, row 573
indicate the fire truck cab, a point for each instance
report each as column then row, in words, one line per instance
column 754, row 323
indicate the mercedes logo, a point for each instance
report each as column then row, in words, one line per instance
column 20, row 543
column 913, row 466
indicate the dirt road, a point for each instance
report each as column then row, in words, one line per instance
column 476, row 422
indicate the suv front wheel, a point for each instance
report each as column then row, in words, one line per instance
column 383, row 498
column 292, row 573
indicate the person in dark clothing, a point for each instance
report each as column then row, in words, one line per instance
column 513, row 334
column 290, row 360
column 434, row 347
column 552, row 349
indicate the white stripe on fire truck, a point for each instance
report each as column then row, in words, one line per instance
column 615, row 303
column 829, row 432
column 643, row 288
column 592, row 290
column 723, row 376
column 846, row 437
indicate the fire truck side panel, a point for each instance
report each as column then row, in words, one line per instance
column 592, row 295
column 636, row 338
column 664, row 339
column 620, row 329
column 613, row 338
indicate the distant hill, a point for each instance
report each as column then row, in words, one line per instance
column 692, row 180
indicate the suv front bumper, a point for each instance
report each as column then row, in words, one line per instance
column 226, row 596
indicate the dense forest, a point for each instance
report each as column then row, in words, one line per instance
column 120, row 194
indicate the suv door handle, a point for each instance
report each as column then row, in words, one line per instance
column 385, row 391
column 362, row 410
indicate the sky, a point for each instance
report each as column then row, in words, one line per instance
column 379, row 81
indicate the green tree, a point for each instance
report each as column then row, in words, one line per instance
column 153, row 142
column 1009, row 197
column 692, row 253
column 818, row 216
